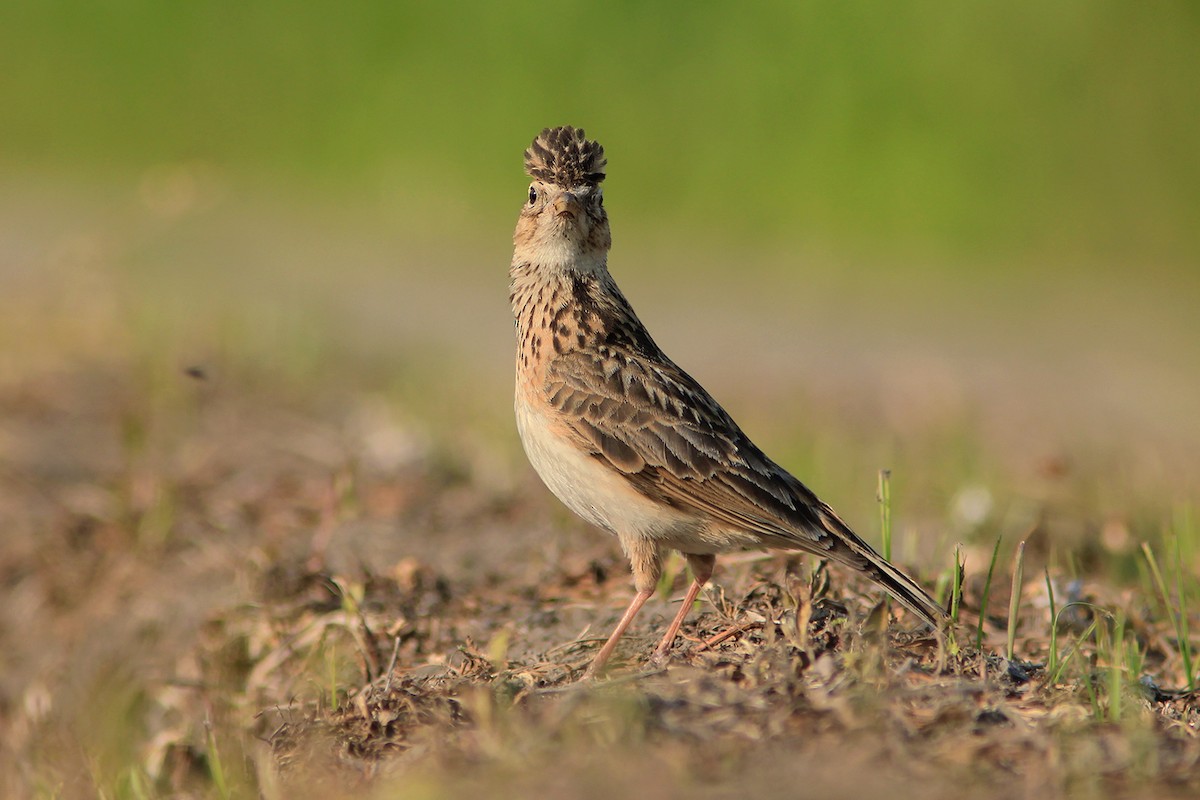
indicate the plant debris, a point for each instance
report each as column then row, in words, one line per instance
column 240, row 603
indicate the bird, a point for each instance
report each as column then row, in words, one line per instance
column 623, row 436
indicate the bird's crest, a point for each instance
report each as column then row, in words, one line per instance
column 564, row 156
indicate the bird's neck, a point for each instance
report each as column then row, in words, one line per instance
column 556, row 309
column 559, row 311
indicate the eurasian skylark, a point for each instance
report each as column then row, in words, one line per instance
column 624, row 437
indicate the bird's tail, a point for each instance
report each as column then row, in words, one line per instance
column 852, row 551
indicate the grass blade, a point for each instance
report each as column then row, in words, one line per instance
column 1178, row 622
column 885, row 511
column 1014, row 604
column 1185, row 644
column 957, row 586
column 1052, row 659
column 1066, row 659
column 987, row 590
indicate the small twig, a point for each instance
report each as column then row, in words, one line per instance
column 728, row 634
column 387, row 685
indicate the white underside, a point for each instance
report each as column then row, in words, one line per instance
column 597, row 492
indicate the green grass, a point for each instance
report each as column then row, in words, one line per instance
column 1176, row 609
column 987, row 593
column 885, row 512
column 1014, row 603
column 956, row 583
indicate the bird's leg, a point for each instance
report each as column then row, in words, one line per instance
column 606, row 652
column 645, row 560
column 702, row 569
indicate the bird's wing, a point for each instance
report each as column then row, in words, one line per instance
column 652, row 422
column 648, row 419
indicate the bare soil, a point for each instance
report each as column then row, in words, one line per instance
column 254, row 599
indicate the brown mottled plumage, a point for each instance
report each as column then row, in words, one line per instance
column 621, row 434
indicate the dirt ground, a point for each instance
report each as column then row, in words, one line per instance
column 268, row 576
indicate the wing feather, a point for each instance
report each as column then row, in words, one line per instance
column 653, row 422
column 662, row 429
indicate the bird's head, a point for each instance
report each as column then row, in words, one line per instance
column 563, row 222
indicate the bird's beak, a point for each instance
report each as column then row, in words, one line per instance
column 567, row 204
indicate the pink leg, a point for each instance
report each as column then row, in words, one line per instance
column 606, row 652
column 702, row 568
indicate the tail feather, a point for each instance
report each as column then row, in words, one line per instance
column 852, row 551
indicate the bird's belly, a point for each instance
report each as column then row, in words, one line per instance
column 591, row 488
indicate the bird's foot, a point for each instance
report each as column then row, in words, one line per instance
column 660, row 657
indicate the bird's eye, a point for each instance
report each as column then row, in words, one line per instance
column 532, row 195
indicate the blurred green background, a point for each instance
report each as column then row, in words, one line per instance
column 1021, row 131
